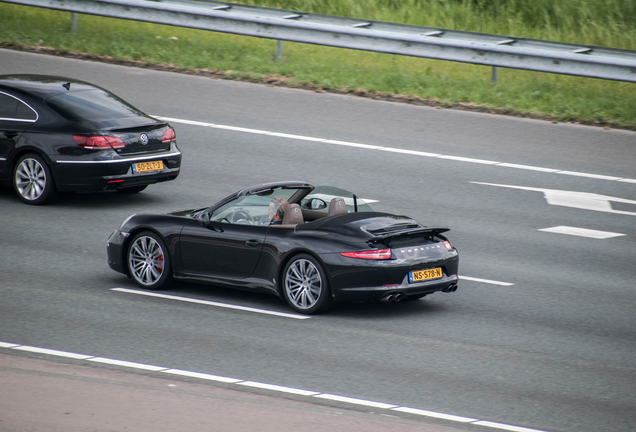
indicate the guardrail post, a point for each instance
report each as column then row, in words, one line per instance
column 73, row 21
column 279, row 50
column 493, row 76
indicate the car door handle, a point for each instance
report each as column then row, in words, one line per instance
column 252, row 243
column 217, row 229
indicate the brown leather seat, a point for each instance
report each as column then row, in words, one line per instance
column 293, row 215
column 337, row 206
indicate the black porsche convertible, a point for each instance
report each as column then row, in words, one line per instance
column 309, row 245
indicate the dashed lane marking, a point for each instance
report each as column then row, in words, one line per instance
column 486, row 281
column 278, row 388
column 503, row 426
column 211, row 303
column 300, row 392
column 582, row 232
column 574, row 199
column 398, row 150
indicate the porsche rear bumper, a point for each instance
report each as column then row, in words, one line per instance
column 364, row 280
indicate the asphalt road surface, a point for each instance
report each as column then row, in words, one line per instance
column 540, row 334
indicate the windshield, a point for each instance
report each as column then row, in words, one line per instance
column 91, row 105
column 263, row 208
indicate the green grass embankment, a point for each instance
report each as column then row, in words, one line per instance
column 446, row 84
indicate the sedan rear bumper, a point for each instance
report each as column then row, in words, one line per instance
column 95, row 175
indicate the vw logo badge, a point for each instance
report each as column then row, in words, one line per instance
column 144, row 139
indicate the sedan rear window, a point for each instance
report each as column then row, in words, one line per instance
column 13, row 109
column 91, row 105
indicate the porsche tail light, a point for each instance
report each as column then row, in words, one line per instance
column 380, row 254
column 169, row 136
column 98, row 142
column 448, row 246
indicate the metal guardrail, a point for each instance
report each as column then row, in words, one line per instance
column 390, row 38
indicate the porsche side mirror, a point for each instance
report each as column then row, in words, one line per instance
column 315, row 204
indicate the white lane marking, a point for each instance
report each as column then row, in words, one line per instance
column 581, row 232
column 201, row 376
column 434, row 414
column 52, row 352
column 488, row 281
column 504, row 426
column 355, row 401
column 395, row 150
column 211, row 303
column 278, row 388
column 580, row 200
column 126, row 364
column 529, row 167
column 466, row 159
column 595, row 176
column 410, row 152
column 345, row 399
column 8, row 345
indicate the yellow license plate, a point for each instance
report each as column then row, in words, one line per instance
column 147, row 166
column 422, row 275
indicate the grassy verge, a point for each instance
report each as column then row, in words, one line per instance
column 414, row 80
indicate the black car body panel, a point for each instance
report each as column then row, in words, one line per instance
column 50, row 129
column 208, row 245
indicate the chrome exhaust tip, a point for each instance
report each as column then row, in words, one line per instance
column 451, row 288
column 388, row 298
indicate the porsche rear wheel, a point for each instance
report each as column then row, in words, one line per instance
column 149, row 261
column 305, row 285
column 32, row 180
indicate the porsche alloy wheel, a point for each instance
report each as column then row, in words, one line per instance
column 306, row 288
column 32, row 180
column 148, row 261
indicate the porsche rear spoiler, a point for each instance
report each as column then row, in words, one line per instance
column 403, row 234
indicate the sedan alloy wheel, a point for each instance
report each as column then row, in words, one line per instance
column 32, row 180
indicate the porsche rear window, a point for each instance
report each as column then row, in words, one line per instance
column 91, row 105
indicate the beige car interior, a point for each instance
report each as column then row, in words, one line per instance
column 293, row 215
column 337, row 206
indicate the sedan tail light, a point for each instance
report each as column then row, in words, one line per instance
column 98, row 142
column 169, row 136
column 371, row 254
column 448, row 246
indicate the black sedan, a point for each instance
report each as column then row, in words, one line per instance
column 309, row 245
column 60, row 134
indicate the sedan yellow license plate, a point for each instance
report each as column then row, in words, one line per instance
column 422, row 275
column 147, row 166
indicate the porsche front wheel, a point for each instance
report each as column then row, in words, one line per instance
column 305, row 285
column 149, row 261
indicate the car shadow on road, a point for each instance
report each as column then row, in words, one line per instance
column 259, row 300
column 92, row 200
column 109, row 199
column 381, row 310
